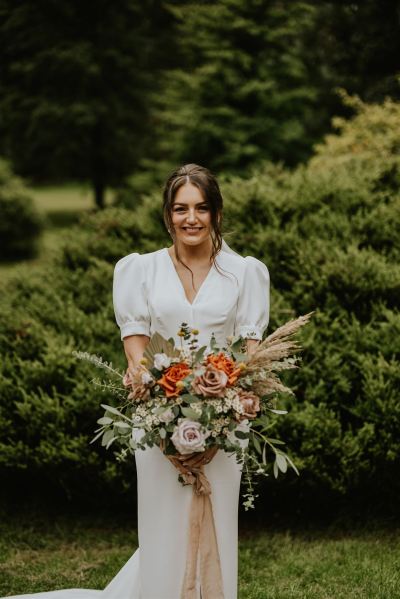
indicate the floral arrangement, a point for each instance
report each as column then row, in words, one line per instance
column 192, row 401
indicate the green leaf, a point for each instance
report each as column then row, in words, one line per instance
column 112, row 410
column 108, row 435
column 256, row 443
column 121, row 424
column 105, row 420
column 190, row 413
column 97, row 436
column 111, row 441
column 292, row 465
column 281, row 462
column 277, row 411
column 237, row 345
column 189, row 398
column 200, row 353
column 242, row 435
column 163, row 433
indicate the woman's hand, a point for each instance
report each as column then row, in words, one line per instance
column 252, row 345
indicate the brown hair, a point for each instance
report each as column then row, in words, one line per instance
column 206, row 182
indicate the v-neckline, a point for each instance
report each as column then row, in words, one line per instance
column 180, row 282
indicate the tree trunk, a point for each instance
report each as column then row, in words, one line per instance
column 99, row 193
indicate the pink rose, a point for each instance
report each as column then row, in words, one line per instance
column 211, row 383
column 250, row 403
column 188, row 437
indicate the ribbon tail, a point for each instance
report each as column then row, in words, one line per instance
column 210, row 564
column 196, row 517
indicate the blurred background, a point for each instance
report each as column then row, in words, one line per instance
column 295, row 106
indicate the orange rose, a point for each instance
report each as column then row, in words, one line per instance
column 222, row 362
column 171, row 377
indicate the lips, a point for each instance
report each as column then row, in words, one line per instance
column 192, row 229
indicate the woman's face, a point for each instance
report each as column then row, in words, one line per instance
column 191, row 216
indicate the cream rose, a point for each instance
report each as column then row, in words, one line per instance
column 161, row 361
column 167, row 416
column 189, row 436
column 211, row 383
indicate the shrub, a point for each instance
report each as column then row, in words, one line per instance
column 20, row 223
column 329, row 233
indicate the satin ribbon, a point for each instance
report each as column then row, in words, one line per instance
column 202, row 539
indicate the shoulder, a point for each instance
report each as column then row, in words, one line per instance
column 241, row 265
column 254, row 265
column 136, row 261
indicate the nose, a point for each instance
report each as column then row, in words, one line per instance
column 191, row 216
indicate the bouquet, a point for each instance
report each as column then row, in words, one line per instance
column 191, row 401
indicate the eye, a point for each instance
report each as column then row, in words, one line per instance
column 179, row 209
column 204, row 208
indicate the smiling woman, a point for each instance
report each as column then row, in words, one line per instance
column 199, row 281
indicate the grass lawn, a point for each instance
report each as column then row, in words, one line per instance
column 62, row 207
column 64, row 198
column 39, row 555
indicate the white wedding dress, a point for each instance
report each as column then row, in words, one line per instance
column 148, row 297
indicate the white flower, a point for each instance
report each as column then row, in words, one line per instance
column 167, row 416
column 161, row 361
column 188, row 437
column 147, row 378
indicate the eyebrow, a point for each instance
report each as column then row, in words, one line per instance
column 183, row 204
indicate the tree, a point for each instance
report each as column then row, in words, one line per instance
column 260, row 77
column 74, row 85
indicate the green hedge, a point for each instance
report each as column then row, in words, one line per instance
column 20, row 222
column 330, row 235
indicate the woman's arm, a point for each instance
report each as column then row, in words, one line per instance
column 134, row 346
column 251, row 345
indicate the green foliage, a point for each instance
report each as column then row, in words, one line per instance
column 20, row 223
column 256, row 80
column 329, row 233
column 75, row 83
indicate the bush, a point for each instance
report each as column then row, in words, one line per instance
column 329, row 233
column 20, row 223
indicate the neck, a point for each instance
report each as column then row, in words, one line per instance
column 194, row 253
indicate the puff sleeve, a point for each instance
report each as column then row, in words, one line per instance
column 130, row 297
column 252, row 315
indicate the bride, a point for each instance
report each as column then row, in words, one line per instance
column 200, row 281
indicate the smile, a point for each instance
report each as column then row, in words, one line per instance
column 192, row 228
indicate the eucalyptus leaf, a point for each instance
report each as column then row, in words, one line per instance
column 277, row 411
column 163, row 433
column 112, row 410
column 189, row 398
column 110, row 442
column 107, row 436
column 281, row 462
column 200, row 353
column 256, row 443
column 105, row 420
column 292, row 465
column 190, row 413
column 121, row 424
column 237, row 345
column 96, row 437
column 264, row 454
